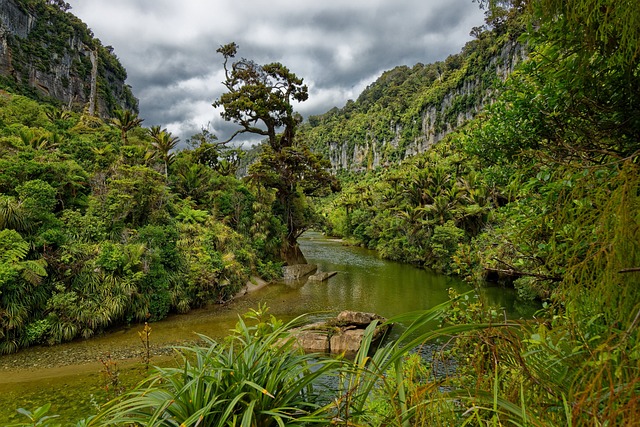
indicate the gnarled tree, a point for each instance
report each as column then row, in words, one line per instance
column 259, row 99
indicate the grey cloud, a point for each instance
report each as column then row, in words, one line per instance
column 168, row 47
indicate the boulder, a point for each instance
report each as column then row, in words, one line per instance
column 297, row 271
column 357, row 318
column 342, row 334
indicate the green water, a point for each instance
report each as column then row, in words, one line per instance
column 364, row 282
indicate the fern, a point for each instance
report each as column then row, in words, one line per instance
column 13, row 248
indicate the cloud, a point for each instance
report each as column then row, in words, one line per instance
column 338, row 47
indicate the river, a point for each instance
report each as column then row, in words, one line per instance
column 71, row 378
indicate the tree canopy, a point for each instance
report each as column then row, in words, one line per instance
column 259, row 99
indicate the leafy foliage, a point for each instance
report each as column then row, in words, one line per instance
column 540, row 193
column 257, row 378
column 98, row 232
column 259, row 99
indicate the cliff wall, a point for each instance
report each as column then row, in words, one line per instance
column 408, row 110
column 47, row 53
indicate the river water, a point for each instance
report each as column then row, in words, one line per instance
column 72, row 379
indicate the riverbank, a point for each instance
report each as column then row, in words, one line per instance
column 83, row 355
column 42, row 362
column 71, row 377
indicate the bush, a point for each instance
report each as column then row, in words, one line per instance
column 257, row 377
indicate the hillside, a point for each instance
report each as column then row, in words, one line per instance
column 101, row 225
column 408, row 109
column 48, row 54
column 539, row 191
column 487, row 155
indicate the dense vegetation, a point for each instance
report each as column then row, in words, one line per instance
column 103, row 224
column 526, row 193
column 540, row 192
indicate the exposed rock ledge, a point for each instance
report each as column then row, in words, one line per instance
column 342, row 334
column 252, row 285
column 298, row 271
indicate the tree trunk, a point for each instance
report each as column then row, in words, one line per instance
column 292, row 254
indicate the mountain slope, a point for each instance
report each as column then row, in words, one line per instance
column 407, row 110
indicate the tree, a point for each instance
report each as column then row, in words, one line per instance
column 125, row 120
column 259, row 99
column 61, row 4
column 163, row 143
column 609, row 28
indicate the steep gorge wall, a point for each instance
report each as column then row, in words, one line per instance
column 499, row 66
column 455, row 104
column 47, row 53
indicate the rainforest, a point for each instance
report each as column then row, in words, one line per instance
column 513, row 163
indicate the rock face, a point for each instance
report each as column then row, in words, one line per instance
column 47, row 52
column 298, row 271
column 457, row 104
column 341, row 335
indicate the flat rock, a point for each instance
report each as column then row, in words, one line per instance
column 322, row 276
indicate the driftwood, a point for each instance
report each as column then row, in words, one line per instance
column 629, row 270
column 517, row 273
column 514, row 272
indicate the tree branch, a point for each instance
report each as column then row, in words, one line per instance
column 512, row 271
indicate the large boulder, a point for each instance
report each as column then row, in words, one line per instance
column 340, row 335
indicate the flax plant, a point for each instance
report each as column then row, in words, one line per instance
column 380, row 374
column 257, row 378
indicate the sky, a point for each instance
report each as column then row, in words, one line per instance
column 338, row 47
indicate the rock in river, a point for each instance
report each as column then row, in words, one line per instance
column 298, row 271
column 342, row 334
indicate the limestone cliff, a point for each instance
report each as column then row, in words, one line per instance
column 407, row 110
column 47, row 53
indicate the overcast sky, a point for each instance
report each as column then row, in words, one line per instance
column 337, row 46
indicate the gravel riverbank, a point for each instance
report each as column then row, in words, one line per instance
column 122, row 346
